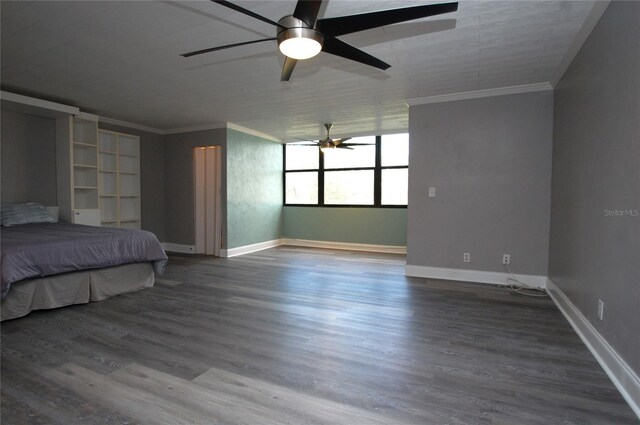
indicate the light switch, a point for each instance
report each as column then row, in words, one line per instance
column 432, row 192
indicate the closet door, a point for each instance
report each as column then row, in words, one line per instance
column 207, row 190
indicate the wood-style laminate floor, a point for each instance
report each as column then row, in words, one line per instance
column 305, row 337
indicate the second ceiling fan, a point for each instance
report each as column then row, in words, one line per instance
column 302, row 35
column 329, row 143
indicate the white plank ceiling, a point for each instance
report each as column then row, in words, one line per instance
column 122, row 60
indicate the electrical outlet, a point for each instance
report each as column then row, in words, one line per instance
column 506, row 259
column 432, row 192
column 466, row 257
column 600, row 309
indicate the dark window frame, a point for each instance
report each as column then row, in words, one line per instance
column 377, row 180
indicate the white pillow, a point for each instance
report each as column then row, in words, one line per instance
column 30, row 212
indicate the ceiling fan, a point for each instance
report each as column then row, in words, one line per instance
column 302, row 36
column 329, row 143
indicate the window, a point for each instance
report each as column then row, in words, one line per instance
column 374, row 174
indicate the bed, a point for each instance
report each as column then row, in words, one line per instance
column 46, row 264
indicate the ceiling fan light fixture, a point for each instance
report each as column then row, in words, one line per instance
column 300, row 48
column 326, row 144
column 296, row 40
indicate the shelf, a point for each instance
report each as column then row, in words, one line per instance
column 86, row 187
column 108, row 221
column 129, row 220
column 108, row 171
column 130, row 173
column 108, row 196
column 131, row 155
column 129, row 196
column 109, row 152
column 84, row 166
column 84, row 145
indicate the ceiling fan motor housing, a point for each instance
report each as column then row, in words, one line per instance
column 292, row 28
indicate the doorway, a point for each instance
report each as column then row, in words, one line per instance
column 207, row 162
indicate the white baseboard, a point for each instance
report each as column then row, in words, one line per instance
column 477, row 276
column 622, row 376
column 247, row 249
column 175, row 247
column 389, row 249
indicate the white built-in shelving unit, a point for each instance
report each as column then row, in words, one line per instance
column 97, row 171
column 77, row 168
column 119, row 179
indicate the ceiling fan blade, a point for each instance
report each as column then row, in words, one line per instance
column 301, row 144
column 307, row 11
column 332, row 27
column 347, row 51
column 343, row 147
column 228, row 46
column 357, row 144
column 287, row 68
column 340, row 141
column 246, row 12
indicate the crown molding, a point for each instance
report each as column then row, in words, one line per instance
column 256, row 133
column 597, row 10
column 29, row 104
column 87, row 116
column 128, row 124
column 37, row 106
column 202, row 127
column 221, row 125
column 499, row 91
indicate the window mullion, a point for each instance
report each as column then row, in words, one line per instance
column 377, row 174
column 320, row 178
column 284, row 175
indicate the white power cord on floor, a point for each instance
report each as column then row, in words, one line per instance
column 522, row 289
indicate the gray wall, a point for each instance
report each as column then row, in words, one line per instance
column 594, row 254
column 178, row 183
column 377, row 226
column 254, row 189
column 28, row 164
column 28, row 151
column 152, row 200
column 490, row 161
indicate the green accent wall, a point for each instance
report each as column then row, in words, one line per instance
column 376, row 226
column 254, row 189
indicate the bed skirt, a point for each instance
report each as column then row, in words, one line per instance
column 75, row 288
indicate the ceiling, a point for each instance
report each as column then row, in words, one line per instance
column 122, row 60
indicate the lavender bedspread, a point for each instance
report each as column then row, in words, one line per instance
column 35, row 250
